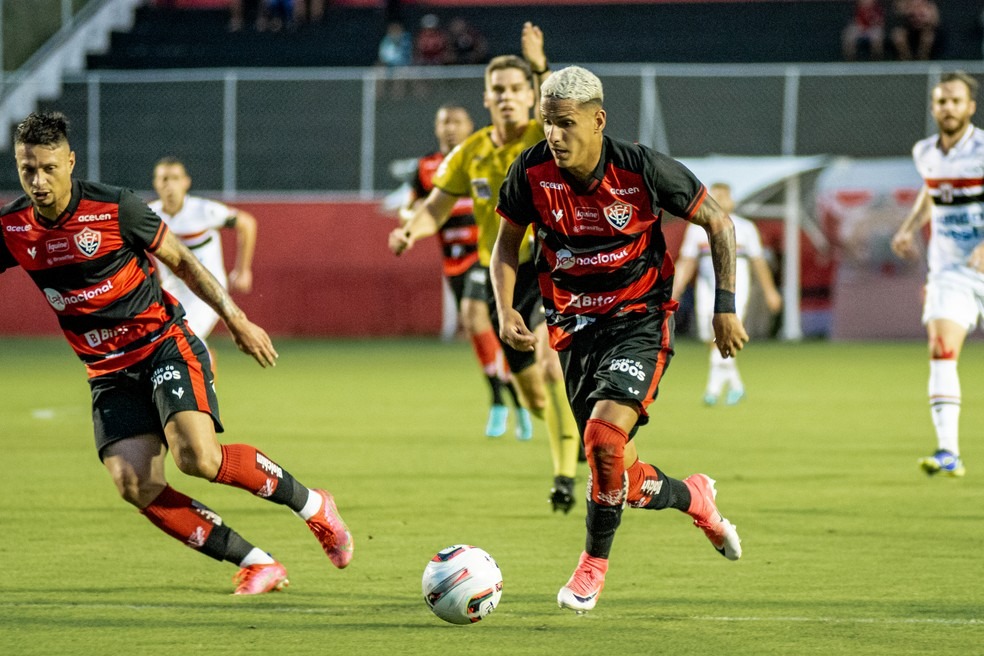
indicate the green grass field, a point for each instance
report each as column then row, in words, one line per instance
column 849, row 549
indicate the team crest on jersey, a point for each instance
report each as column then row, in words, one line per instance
column 88, row 241
column 618, row 214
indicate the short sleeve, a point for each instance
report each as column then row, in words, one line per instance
column 139, row 225
column 673, row 187
column 515, row 195
column 417, row 186
column 691, row 241
column 452, row 175
column 216, row 214
column 7, row 260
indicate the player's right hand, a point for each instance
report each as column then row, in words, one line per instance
column 514, row 332
column 253, row 340
column 399, row 240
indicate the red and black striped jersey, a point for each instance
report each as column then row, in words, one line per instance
column 459, row 234
column 600, row 251
column 93, row 269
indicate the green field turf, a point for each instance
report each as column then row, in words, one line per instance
column 849, row 549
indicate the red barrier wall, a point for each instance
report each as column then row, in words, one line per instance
column 321, row 269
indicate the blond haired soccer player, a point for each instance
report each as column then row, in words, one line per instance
column 196, row 222
column 477, row 168
column 465, row 275
column 87, row 247
column 695, row 257
column 595, row 205
column 952, row 202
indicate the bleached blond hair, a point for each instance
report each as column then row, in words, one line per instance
column 573, row 83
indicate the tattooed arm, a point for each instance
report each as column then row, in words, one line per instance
column 249, row 337
column 729, row 334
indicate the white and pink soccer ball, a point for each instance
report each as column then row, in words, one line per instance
column 462, row 584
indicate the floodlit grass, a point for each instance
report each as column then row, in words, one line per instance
column 849, row 549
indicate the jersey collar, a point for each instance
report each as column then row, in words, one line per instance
column 960, row 144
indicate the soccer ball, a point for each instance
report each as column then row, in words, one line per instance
column 462, row 584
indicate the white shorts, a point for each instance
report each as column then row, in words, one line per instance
column 704, row 302
column 954, row 296
column 200, row 316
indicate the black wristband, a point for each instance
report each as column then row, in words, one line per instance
column 536, row 72
column 724, row 301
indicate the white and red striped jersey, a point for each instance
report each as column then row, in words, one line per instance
column 955, row 182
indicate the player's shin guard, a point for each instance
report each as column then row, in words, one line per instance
column 604, row 444
column 562, row 433
column 651, row 488
column 188, row 521
column 248, row 468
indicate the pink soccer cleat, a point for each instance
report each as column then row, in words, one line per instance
column 258, row 579
column 334, row 536
column 582, row 590
column 722, row 533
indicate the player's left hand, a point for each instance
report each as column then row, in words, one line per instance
column 976, row 259
column 254, row 341
column 729, row 335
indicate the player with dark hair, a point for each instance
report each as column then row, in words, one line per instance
column 595, row 205
column 85, row 245
column 477, row 168
column 458, row 237
column 952, row 201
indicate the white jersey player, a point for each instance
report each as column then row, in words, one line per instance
column 951, row 164
column 197, row 222
column 695, row 255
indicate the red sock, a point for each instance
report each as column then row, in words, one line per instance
column 604, row 445
column 644, row 484
column 181, row 518
column 487, row 347
column 248, row 468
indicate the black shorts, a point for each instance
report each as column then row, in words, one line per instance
column 140, row 399
column 471, row 284
column 623, row 359
column 527, row 301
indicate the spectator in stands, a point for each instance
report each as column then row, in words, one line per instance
column 396, row 46
column 865, row 31
column 395, row 51
column 431, row 45
column 915, row 34
column 275, row 15
column 309, row 11
column 468, row 45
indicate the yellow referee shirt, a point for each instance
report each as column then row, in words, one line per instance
column 478, row 167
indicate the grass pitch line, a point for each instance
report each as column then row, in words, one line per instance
column 326, row 611
column 847, row 620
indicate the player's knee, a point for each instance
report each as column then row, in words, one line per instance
column 198, row 462
column 135, row 490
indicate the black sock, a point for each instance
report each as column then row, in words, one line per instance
column 290, row 493
column 674, row 493
column 225, row 544
column 601, row 522
column 495, row 383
